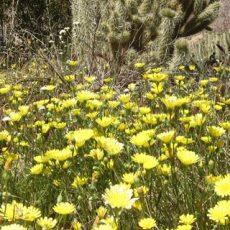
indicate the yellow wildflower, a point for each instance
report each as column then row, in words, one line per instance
column 129, row 178
column 37, row 169
column 5, row 136
column 119, row 196
column 187, row 219
column 31, row 213
column 47, row 223
column 80, row 136
column 110, row 145
column 197, row 120
column 13, row 227
column 79, row 181
column 222, row 186
column 48, row 88
column 147, row 223
column 184, row 227
column 142, row 138
column 225, row 125
column 216, row 131
column 220, row 213
column 105, row 121
column 69, row 78
column 187, row 157
column 139, row 65
column 64, row 208
column 77, row 226
column 148, row 161
column 101, row 212
column 125, row 98
column 72, row 63
column 5, row 90
column 90, row 79
column 166, row 137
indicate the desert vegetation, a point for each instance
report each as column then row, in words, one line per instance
column 112, row 118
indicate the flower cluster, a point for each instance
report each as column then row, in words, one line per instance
column 84, row 154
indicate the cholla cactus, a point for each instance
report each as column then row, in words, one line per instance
column 180, row 53
column 147, row 27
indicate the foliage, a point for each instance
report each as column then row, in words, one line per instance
column 77, row 153
column 132, row 29
column 31, row 25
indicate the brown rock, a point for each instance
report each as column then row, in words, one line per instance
column 222, row 23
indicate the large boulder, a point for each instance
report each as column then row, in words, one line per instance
column 222, row 23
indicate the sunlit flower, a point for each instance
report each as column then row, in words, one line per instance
column 37, row 169
column 142, row 138
column 97, row 154
column 184, row 140
column 197, row 120
column 110, row 145
column 64, row 208
column 5, row 136
column 48, row 88
column 131, row 86
column 47, row 223
column 31, row 213
column 5, row 89
column 184, row 227
column 15, row 116
column 113, row 104
column 129, row 178
column 13, row 227
column 105, row 121
column 125, row 98
column 172, row 102
column 220, row 213
column 12, row 211
column 94, row 104
column 166, row 137
column 147, row 223
column 69, row 78
column 148, row 161
column 15, row 211
column 86, row 95
column 139, row 65
column 90, row 79
column 192, row 67
column 60, row 155
column 165, row 169
column 222, row 187
column 79, row 136
column 23, row 109
column 150, row 119
column 101, row 212
column 157, row 77
column 72, row 63
column 144, row 110
column 216, row 131
column 187, row 157
column 225, row 125
column 64, row 104
column 119, row 196
column 79, row 181
column 187, row 219
column 206, row 139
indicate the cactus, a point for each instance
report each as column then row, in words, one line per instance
column 209, row 45
column 180, row 54
column 148, row 28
